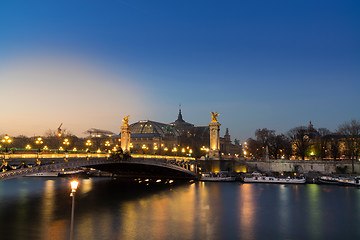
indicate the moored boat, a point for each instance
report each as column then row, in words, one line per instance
column 72, row 173
column 328, row 180
column 216, row 177
column 258, row 178
column 44, row 174
column 349, row 181
column 346, row 181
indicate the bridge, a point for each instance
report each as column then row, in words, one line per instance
column 139, row 166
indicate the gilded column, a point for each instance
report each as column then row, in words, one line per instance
column 214, row 152
column 125, row 135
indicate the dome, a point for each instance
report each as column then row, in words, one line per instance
column 153, row 128
column 180, row 123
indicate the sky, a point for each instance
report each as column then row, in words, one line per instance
column 260, row 64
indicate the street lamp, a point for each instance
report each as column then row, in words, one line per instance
column 144, row 148
column 183, row 150
column 38, row 141
column 88, row 144
column 6, row 140
column 155, row 148
column 107, row 144
column 74, row 184
column 66, row 143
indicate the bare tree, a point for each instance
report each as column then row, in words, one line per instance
column 335, row 146
column 350, row 131
column 279, row 145
column 300, row 140
column 322, row 142
column 264, row 138
column 254, row 148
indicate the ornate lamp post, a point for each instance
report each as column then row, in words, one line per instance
column 74, row 184
column 6, row 140
column 144, row 148
column 39, row 141
column 66, row 143
column 155, row 149
column 88, row 145
column 174, row 150
column 107, row 144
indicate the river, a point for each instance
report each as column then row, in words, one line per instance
column 38, row 208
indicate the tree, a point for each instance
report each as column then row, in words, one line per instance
column 323, row 138
column 21, row 141
column 300, row 140
column 254, row 148
column 280, row 145
column 335, row 146
column 277, row 144
column 264, row 137
column 350, row 131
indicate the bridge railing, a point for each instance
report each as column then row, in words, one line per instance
column 48, row 167
column 89, row 155
column 55, row 155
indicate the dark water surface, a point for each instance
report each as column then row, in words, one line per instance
column 37, row 208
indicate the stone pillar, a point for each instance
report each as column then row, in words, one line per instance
column 125, row 135
column 214, row 152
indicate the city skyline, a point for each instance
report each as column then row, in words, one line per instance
column 259, row 64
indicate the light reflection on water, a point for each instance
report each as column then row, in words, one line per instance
column 36, row 208
column 314, row 210
column 247, row 213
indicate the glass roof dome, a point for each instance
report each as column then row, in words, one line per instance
column 154, row 128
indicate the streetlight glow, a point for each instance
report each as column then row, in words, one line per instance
column 74, row 184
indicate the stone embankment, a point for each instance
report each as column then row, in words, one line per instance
column 304, row 166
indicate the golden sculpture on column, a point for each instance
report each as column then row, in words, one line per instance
column 126, row 120
column 214, row 152
column 214, row 116
column 125, row 135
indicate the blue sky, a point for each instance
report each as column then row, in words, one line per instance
column 260, row 64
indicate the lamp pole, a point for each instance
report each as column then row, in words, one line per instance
column 74, row 185
column 6, row 140
column 39, row 141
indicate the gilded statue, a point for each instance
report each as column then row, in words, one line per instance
column 214, row 116
column 126, row 120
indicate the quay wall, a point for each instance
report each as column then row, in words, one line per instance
column 307, row 166
column 298, row 166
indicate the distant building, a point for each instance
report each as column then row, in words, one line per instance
column 99, row 133
column 227, row 148
column 177, row 138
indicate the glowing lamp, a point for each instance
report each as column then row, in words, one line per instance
column 74, row 184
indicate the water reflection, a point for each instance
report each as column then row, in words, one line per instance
column 314, row 222
column 247, row 212
column 40, row 209
column 47, row 211
column 85, row 186
column 284, row 210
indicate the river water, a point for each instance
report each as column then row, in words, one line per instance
column 38, row 208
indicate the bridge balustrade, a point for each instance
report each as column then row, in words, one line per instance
column 61, row 161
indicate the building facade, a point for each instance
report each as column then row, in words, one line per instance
column 178, row 138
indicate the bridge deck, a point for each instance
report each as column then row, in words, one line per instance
column 132, row 167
